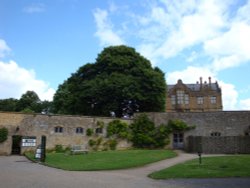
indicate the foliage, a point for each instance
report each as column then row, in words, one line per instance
column 92, row 143
column 3, row 134
column 89, row 132
column 118, row 129
column 59, row 148
column 28, row 103
column 8, row 105
column 112, row 144
column 119, row 74
column 178, row 125
column 100, row 124
column 95, row 144
column 211, row 167
column 29, row 100
column 146, row 135
column 106, row 160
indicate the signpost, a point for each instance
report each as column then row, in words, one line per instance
column 41, row 150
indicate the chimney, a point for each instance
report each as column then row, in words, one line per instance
column 209, row 78
column 201, row 80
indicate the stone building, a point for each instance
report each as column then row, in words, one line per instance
column 199, row 97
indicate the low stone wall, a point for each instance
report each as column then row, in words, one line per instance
column 218, row 145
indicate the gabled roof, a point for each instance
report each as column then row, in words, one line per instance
column 197, row 86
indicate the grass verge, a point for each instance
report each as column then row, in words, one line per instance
column 211, row 167
column 105, row 160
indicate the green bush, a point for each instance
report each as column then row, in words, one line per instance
column 112, row 144
column 89, row 132
column 92, row 143
column 3, row 134
column 59, row 149
column 146, row 135
column 117, row 128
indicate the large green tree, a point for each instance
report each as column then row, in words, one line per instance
column 119, row 74
column 29, row 101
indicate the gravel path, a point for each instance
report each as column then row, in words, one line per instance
column 18, row 172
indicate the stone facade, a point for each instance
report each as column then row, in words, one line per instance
column 62, row 130
column 220, row 144
column 208, row 124
column 59, row 130
column 199, row 97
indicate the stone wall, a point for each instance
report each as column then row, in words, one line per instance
column 224, row 144
column 227, row 123
column 36, row 125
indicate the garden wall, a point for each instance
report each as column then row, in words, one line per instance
column 216, row 145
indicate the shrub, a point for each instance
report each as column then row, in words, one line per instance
column 112, row 144
column 92, row 143
column 3, row 134
column 59, row 148
column 118, row 129
column 146, row 135
column 89, row 132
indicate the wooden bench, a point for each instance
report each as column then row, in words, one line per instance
column 76, row 149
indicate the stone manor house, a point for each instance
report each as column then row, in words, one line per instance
column 199, row 97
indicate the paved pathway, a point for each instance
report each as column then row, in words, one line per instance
column 18, row 172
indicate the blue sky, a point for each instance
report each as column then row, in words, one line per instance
column 43, row 41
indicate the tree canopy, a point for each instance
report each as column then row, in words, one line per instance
column 119, row 74
column 29, row 103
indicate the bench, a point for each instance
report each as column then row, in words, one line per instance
column 76, row 149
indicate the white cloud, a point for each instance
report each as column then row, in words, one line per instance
column 229, row 96
column 190, row 75
column 4, row 48
column 245, row 104
column 105, row 29
column 231, row 48
column 15, row 81
column 179, row 25
column 34, row 8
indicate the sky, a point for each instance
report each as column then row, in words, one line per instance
column 42, row 42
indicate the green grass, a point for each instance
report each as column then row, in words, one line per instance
column 105, row 160
column 211, row 167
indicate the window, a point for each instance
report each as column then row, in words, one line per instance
column 79, row 130
column 180, row 96
column 58, row 129
column 213, row 100
column 173, row 100
column 215, row 134
column 98, row 131
column 199, row 100
column 186, row 98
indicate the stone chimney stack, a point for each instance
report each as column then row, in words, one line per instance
column 209, row 78
column 200, row 82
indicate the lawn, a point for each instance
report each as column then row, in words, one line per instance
column 105, row 160
column 211, row 167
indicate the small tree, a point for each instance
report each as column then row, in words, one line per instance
column 143, row 132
